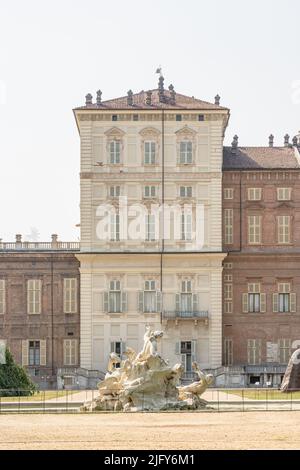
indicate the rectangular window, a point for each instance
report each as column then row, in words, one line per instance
column 115, row 227
column 150, row 297
column 284, row 350
column 254, row 352
column 114, row 117
column 150, row 191
column 34, row 296
column 200, row 117
column 228, row 226
column 178, row 117
column 135, row 117
column 283, row 229
column 254, row 229
column 186, row 152
column 253, row 303
column 114, row 191
column 186, row 226
column 149, row 153
column 186, row 297
column 228, row 193
column 185, row 191
column 2, row 296
column 70, row 295
column 70, row 352
column 228, row 359
column 284, row 194
column 115, row 297
column 115, row 150
column 150, row 227
column 254, row 194
column 228, row 298
column 34, row 353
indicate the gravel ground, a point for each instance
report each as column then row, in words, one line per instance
column 253, row 430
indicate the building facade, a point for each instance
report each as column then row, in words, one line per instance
column 261, row 282
column 163, row 149
column 39, row 307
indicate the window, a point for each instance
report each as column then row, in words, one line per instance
column 118, row 347
column 70, row 352
column 254, row 301
column 186, row 226
column 186, row 297
column 228, row 193
column 254, row 352
column 149, row 152
column 135, row 117
column 34, row 353
column 228, row 298
column 283, row 229
column 254, row 194
column 186, row 152
column 115, row 297
column 284, row 350
column 186, row 191
column 150, row 227
column 115, row 227
column 254, row 229
column 115, row 151
column 178, row 117
column 34, row 296
column 150, row 191
column 284, row 194
column 2, row 296
column 284, row 301
column 200, row 117
column 150, row 297
column 228, row 350
column 70, row 295
column 114, row 117
column 114, row 191
column 228, row 226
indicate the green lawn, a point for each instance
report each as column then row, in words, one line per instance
column 267, row 394
column 41, row 396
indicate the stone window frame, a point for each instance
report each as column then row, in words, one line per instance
column 186, row 134
column 115, row 135
column 150, row 134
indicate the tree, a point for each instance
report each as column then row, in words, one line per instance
column 14, row 380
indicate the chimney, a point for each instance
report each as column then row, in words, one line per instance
column 19, row 241
column 286, row 140
column 54, row 240
column 217, row 100
column 99, row 97
column 161, row 90
column 234, row 144
column 129, row 98
column 88, row 99
column 271, row 140
column 172, row 94
column 148, row 98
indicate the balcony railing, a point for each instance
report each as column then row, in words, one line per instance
column 185, row 314
column 39, row 246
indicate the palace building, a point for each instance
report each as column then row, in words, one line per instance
column 178, row 232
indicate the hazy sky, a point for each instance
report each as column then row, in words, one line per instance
column 53, row 53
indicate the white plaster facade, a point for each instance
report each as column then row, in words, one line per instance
column 128, row 264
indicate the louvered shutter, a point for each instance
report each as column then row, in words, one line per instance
column 124, row 302
column 105, row 302
column 43, row 352
column 245, row 303
column 293, row 303
column 195, row 302
column 275, row 302
column 141, row 301
column 25, row 352
column 263, row 301
column 177, row 303
column 158, row 301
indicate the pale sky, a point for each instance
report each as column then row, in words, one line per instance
column 53, row 53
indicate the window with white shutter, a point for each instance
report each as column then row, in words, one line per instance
column 284, row 194
column 228, row 289
column 228, row 193
column 2, row 296
column 186, row 225
column 284, row 350
column 34, row 296
column 284, row 301
column 115, row 227
column 284, row 229
column 254, row 352
column 70, row 295
column 228, row 352
column 254, row 229
column 149, row 191
column 228, row 226
column 149, row 152
column 254, row 194
column 115, row 152
column 114, row 191
column 150, row 227
column 186, row 152
column 70, row 352
column 186, row 191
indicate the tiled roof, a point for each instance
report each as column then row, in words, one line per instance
column 139, row 102
column 260, row 157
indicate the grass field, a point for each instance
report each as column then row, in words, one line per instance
column 40, row 396
column 267, row 394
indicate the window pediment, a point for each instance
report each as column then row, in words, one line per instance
column 115, row 132
column 150, row 132
column 185, row 132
